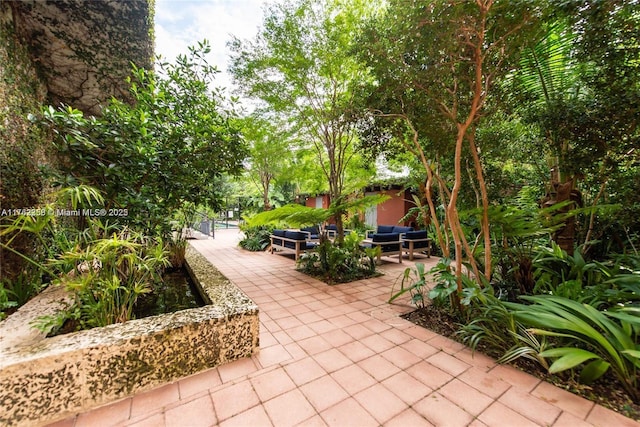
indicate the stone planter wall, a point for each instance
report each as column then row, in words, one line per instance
column 47, row 379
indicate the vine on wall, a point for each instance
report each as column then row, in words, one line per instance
column 23, row 145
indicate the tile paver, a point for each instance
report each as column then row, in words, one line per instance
column 440, row 411
column 380, row 402
column 271, row 384
column 154, row 400
column 324, row 392
column 341, row 356
column 233, row 400
column 195, row 413
column 466, row 396
column 501, row 415
column 289, row 409
column 348, row 413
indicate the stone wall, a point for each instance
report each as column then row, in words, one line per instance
column 83, row 49
column 47, row 379
column 75, row 52
column 23, row 145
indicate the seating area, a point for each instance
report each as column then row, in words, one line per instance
column 396, row 240
column 292, row 241
column 389, row 244
column 300, row 241
column 391, row 239
column 415, row 242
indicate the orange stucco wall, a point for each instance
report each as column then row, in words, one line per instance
column 311, row 201
column 391, row 211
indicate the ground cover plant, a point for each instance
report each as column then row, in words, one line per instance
column 575, row 340
column 255, row 238
column 342, row 263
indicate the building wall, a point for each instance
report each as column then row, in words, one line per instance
column 321, row 201
column 83, row 49
column 391, row 211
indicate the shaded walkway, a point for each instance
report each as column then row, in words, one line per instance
column 341, row 356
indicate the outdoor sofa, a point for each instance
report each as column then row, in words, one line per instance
column 398, row 239
column 292, row 241
column 388, row 238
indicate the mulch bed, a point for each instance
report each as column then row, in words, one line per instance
column 607, row 391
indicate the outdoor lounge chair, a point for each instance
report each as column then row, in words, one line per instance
column 291, row 241
column 416, row 242
column 389, row 244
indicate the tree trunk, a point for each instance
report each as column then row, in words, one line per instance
column 565, row 192
column 485, row 205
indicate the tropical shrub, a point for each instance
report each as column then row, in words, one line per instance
column 256, row 238
column 22, row 288
column 412, row 281
column 604, row 340
column 53, row 232
column 107, row 277
column 5, row 302
column 162, row 154
column 444, row 292
column 335, row 263
column 491, row 324
column 598, row 283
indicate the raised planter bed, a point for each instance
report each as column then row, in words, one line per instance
column 47, row 379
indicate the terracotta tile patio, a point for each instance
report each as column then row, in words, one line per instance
column 341, row 356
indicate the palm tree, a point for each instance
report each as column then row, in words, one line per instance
column 549, row 80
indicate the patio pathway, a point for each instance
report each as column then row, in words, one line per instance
column 341, row 356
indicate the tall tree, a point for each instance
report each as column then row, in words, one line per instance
column 440, row 60
column 162, row 154
column 299, row 65
column 580, row 86
column 269, row 152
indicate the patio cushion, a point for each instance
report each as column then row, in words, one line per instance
column 385, row 229
column 421, row 234
column 314, row 231
column 278, row 233
column 294, row 235
column 388, row 237
column 401, row 229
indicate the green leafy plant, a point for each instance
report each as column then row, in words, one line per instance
column 606, row 340
column 554, row 267
column 5, row 302
column 21, row 288
column 255, row 238
column 163, row 153
column 444, row 293
column 340, row 263
column 414, row 282
column 109, row 275
column 492, row 324
column 599, row 283
column 54, row 233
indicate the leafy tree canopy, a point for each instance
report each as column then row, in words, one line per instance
column 165, row 152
